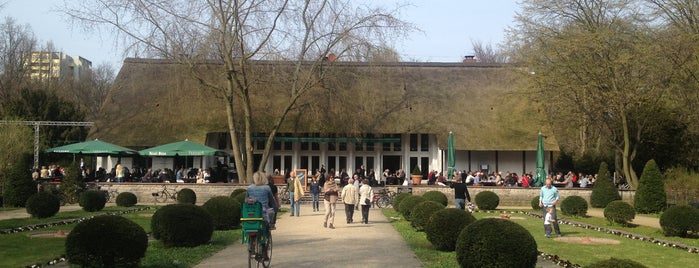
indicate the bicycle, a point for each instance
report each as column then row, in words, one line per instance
column 256, row 234
column 384, row 198
column 284, row 195
column 111, row 194
column 165, row 194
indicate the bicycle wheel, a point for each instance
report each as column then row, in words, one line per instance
column 383, row 202
column 161, row 197
column 252, row 251
column 267, row 251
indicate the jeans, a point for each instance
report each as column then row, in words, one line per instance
column 315, row 202
column 365, row 213
column 553, row 215
column 294, row 203
column 460, row 203
column 349, row 212
column 329, row 211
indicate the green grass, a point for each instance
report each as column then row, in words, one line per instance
column 649, row 254
column 19, row 249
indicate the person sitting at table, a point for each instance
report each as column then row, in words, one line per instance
column 385, row 176
column 584, row 181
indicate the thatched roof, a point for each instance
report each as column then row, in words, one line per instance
column 155, row 102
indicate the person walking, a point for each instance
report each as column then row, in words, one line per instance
column 295, row 189
column 460, row 193
column 315, row 193
column 350, row 197
column 548, row 198
column 329, row 199
column 366, row 194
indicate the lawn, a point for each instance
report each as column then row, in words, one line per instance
column 647, row 253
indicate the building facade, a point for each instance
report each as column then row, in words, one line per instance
column 43, row 65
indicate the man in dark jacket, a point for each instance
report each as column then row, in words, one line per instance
column 460, row 193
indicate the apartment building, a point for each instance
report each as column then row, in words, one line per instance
column 57, row 65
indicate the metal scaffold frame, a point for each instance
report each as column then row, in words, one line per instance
column 36, row 125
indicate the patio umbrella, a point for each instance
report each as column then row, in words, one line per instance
column 94, row 147
column 540, row 167
column 182, row 148
column 451, row 160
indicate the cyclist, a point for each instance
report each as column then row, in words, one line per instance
column 261, row 192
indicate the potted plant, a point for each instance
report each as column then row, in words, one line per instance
column 416, row 175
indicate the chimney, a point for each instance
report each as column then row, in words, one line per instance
column 470, row 59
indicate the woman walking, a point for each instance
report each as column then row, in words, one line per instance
column 366, row 194
column 329, row 201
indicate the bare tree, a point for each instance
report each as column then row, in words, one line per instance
column 231, row 36
column 485, row 53
column 16, row 41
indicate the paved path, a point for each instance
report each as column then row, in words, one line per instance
column 303, row 242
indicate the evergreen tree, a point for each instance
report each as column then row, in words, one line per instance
column 650, row 195
column 18, row 185
column 73, row 183
column 603, row 190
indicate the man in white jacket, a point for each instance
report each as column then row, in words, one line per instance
column 350, row 197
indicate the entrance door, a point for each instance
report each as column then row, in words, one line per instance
column 392, row 163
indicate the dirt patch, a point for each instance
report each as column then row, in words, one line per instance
column 507, row 217
column 588, row 240
column 147, row 215
column 56, row 234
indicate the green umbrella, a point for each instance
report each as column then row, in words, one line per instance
column 94, row 147
column 540, row 167
column 451, row 159
column 182, row 148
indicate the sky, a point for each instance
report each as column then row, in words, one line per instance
column 448, row 28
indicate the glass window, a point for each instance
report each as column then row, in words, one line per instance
column 315, row 146
column 413, row 142
column 332, row 146
column 424, row 142
column 397, row 145
column 304, row 146
column 342, row 146
column 359, row 147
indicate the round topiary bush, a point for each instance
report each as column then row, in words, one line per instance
column 619, row 212
column 481, row 244
column 43, row 205
column 436, row 196
column 106, row 241
column 574, row 205
column 444, row 226
column 535, row 203
column 240, row 197
column 182, row 225
column 126, row 199
column 225, row 212
column 399, row 198
column 603, row 190
column 186, row 196
column 407, row 205
column 679, row 220
column 487, row 200
column 421, row 213
column 616, row 263
column 92, row 201
column 237, row 191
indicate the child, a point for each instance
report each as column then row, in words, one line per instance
column 548, row 219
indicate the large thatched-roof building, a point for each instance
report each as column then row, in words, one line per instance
column 387, row 115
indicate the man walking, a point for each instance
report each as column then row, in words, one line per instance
column 548, row 198
column 460, row 193
column 350, row 197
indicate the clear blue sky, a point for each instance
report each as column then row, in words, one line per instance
column 448, row 28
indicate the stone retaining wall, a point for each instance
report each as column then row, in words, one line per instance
column 509, row 196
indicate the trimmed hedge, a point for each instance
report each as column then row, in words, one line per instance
column 182, row 225
column 43, row 205
column 619, row 212
column 574, row 205
column 422, row 212
column 603, row 190
column 106, row 241
column 92, row 201
column 444, row 226
column 535, row 203
column 407, row 205
column 481, row 244
column 240, row 197
column 436, row 196
column 225, row 212
column 186, row 196
column 650, row 195
column 616, row 263
column 238, row 191
column 126, row 199
column 487, row 200
column 399, row 198
column 679, row 220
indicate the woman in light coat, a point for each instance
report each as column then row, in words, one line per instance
column 366, row 194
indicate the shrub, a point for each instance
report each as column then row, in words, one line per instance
column 92, row 201
column 126, row 199
column 421, row 213
column 225, row 212
column 619, row 212
column 616, row 263
column 694, row 204
column 603, row 190
column 240, row 197
column 678, row 220
column 574, row 205
column 444, row 226
column 72, row 184
column 17, row 184
column 650, row 195
column 399, row 198
column 481, row 244
column 43, row 205
column 487, row 200
column 106, row 241
column 186, row 196
column 535, row 203
column 237, row 191
column 436, row 196
column 407, row 205
column 182, row 225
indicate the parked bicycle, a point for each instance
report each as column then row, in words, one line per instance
column 111, row 194
column 256, row 234
column 284, row 195
column 384, row 198
column 165, row 194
